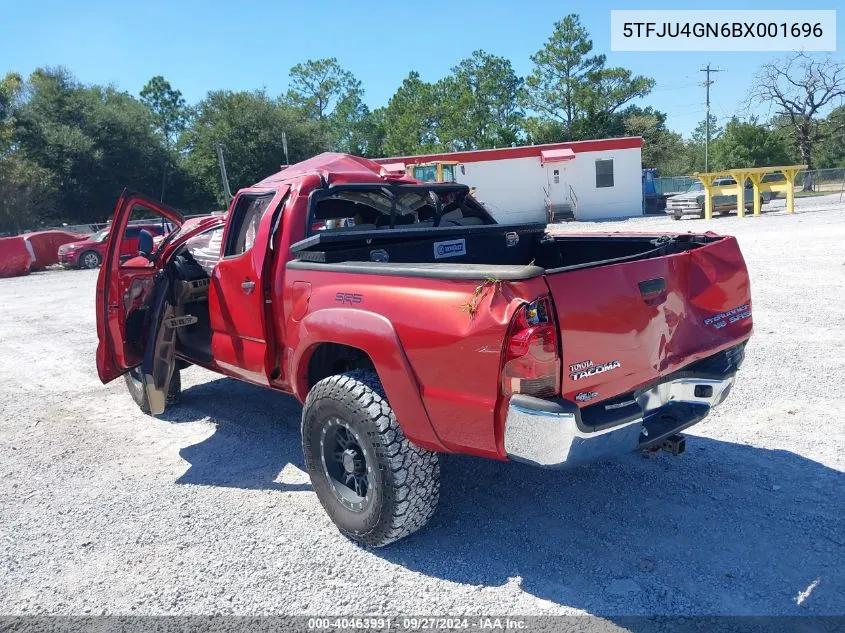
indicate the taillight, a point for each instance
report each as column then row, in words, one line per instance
column 532, row 364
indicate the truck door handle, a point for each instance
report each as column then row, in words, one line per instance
column 248, row 286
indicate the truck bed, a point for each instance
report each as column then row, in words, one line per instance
column 501, row 251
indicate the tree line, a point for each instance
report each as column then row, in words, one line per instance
column 67, row 148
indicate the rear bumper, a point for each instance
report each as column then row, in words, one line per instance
column 553, row 434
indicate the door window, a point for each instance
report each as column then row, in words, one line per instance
column 245, row 222
column 141, row 218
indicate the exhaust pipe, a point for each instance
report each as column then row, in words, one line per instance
column 675, row 445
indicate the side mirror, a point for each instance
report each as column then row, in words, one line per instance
column 145, row 243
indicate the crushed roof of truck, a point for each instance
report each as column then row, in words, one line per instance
column 338, row 168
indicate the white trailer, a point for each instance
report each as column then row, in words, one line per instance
column 587, row 180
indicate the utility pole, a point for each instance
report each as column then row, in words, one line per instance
column 163, row 182
column 707, row 84
column 223, row 176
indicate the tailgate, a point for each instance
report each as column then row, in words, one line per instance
column 628, row 324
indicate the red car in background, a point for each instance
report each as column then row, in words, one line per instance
column 88, row 253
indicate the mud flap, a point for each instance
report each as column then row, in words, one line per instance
column 159, row 353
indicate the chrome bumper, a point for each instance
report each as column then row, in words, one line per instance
column 683, row 206
column 553, row 434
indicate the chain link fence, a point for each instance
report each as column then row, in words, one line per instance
column 821, row 180
column 673, row 184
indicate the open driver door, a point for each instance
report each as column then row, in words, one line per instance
column 130, row 299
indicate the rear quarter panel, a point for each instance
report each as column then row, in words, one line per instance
column 454, row 357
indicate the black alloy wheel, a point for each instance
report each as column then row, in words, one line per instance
column 345, row 465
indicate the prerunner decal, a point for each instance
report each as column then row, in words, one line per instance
column 587, row 368
column 584, row 396
column 731, row 316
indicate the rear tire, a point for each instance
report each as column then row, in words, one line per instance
column 135, row 386
column 375, row 485
column 90, row 260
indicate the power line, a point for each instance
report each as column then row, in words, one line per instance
column 707, row 84
column 688, row 105
column 671, row 88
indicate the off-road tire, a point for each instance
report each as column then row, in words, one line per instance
column 404, row 479
column 84, row 264
column 139, row 394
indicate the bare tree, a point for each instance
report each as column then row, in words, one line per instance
column 801, row 88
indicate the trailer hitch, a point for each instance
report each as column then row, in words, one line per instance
column 675, row 445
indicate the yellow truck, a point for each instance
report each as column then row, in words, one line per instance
column 436, row 171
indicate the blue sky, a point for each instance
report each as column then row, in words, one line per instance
column 246, row 45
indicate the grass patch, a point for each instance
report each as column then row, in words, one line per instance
column 811, row 194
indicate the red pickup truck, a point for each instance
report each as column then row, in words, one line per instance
column 409, row 324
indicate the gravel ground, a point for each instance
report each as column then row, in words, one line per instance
column 208, row 510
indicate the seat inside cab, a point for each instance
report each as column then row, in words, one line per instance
column 357, row 210
column 189, row 271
